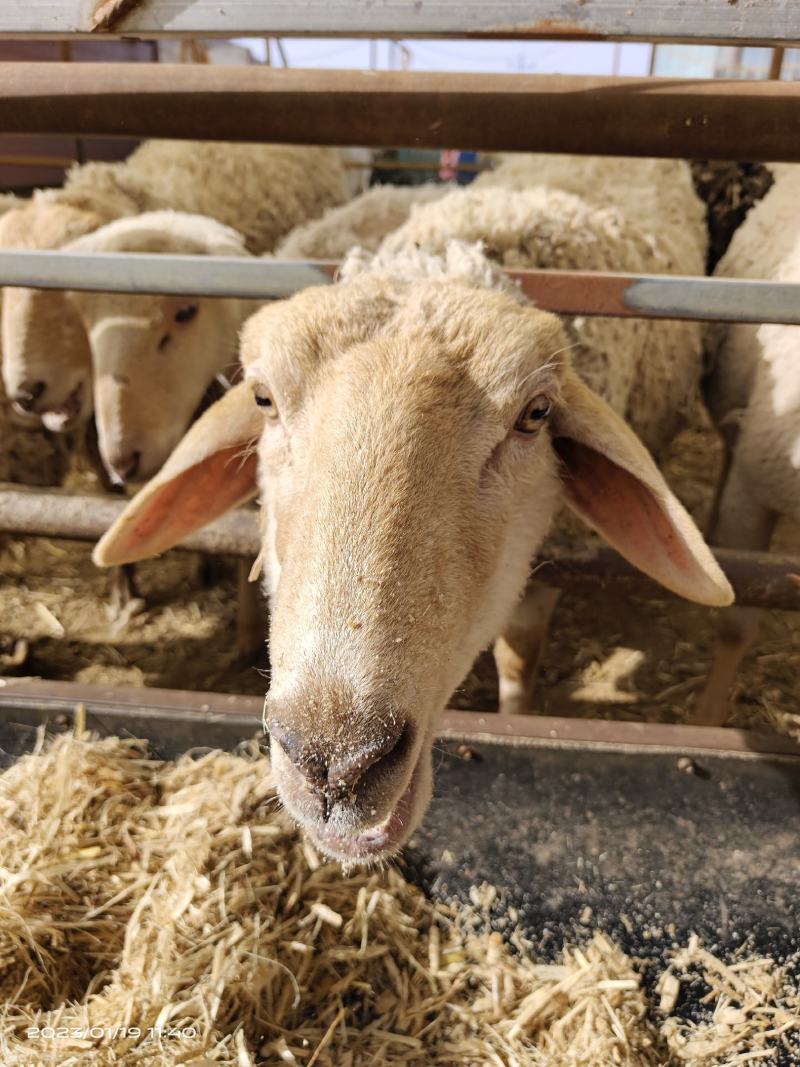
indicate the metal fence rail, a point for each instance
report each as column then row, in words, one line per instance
column 681, row 118
column 751, row 21
column 759, row 579
column 662, row 296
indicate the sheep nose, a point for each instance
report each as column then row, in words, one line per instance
column 27, row 396
column 335, row 777
column 125, row 469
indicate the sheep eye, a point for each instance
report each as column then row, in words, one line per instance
column 265, row 401
column 533, row 415
column 186, row 314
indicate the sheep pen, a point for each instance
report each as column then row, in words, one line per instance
column 163, row 912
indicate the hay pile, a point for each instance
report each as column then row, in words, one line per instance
column 169, row 913
column 177, row 899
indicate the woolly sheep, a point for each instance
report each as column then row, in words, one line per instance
column 262, row 191
column 753, row 395
column 656, row 195
column 413, row 422
column 362, row 222
column 154, row 357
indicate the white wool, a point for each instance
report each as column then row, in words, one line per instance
column 655, row 195
column 363, row 222
column 459, row 261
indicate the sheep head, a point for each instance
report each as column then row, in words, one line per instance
column 415, row 440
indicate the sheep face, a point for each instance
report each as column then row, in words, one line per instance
column 407, row 479
column 153, row 358
column 414, row 441
column 47, row 368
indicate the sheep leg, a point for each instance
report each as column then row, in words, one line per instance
column 122, row 589
column 716, row 504
column 518, row 651
column 250, row 629
column 741, row 523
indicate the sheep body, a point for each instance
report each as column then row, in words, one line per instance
column 262, row 191
column 655, row 195
column 752, row 392
column 362, row 222
column 753, row 388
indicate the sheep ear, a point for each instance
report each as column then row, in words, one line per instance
column 611, row 481
column 211, row 470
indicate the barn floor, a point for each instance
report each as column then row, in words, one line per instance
column 610, row 656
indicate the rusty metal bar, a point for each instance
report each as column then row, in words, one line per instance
column 659, row 296
column 759, row 579
column 84, row 517
column 119, row 704
column 755, row 120
column 718, row 21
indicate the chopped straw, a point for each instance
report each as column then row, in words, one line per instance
column 754, row 1010
column 160, row 914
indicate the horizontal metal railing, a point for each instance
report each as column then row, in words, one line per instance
column 759, row 579
column 671, row 117
column 568, row 292
column 759, row 22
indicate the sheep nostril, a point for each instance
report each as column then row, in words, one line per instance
column 27, row 396
column 345, row 773
column 127, row 468
column 297, row 750
column 337, row 778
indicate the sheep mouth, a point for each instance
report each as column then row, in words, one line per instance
column 61, row 418
column 376, row 842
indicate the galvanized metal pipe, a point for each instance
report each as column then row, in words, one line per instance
column 670, row 117
column 713, row 21
column 759, row 579
column 660, row 296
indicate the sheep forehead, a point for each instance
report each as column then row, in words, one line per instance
column 135, row 310
column 438, row 329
